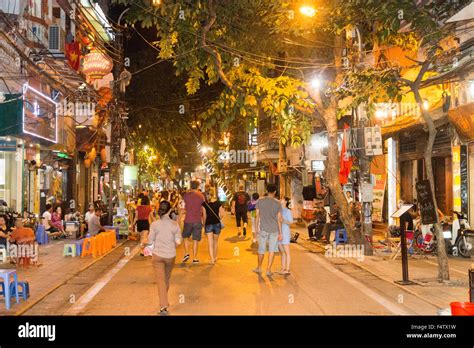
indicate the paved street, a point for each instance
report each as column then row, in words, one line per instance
column 125, row 285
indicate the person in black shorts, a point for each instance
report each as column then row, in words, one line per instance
column 240, row 209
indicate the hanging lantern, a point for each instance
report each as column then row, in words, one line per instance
column 87, row 163
column 96, row 65
column 103, row 155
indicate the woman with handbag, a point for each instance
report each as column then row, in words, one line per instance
column 165, row 236
column 213, row 225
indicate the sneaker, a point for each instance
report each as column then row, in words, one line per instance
column 245, row 231
column 164, row 311
column 195, row 261
column 185, row 258
column 257, row 270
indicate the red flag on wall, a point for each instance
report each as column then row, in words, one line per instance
column 346, row 160
column 73, row 54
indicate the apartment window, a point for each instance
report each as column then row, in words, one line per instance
column 53, row 37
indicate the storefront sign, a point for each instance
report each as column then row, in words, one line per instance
column 130, row 175
column 317, row 166
column 39, row 115
column 7, row 145
column 425, row 199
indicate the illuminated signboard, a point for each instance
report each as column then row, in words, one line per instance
column 39, row 115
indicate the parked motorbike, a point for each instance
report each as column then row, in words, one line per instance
column 463, row 236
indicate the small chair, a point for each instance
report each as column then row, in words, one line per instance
column 69, row 250
column 88, row 247
column 78, row 244
column 341, row 236
column 23, row 289
column 41, row 235
column 5, row 274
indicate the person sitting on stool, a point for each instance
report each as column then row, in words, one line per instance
column 334, row 224
column 315, row 229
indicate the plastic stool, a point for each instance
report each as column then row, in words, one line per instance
column 69, row 250
column 23, row 289
column 3, row 254
column 341, row 236
column 88, row 247
column 78, row 244
column 5, row 274
column 41, row 235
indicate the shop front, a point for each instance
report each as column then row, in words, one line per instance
column 11, row 169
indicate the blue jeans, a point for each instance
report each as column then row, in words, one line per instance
column 213, row 228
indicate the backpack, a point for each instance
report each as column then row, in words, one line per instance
column 241, row 199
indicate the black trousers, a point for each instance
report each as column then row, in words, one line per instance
column 315, row 230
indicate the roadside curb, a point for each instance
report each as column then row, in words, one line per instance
column 378, row 276
column 29, row 306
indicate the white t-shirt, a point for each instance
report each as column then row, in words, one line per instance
column 88, row 216
column 46, row 220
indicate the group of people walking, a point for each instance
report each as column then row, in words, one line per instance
column 166, row 224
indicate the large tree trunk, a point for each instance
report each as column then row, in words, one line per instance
column 332, row 173
column 443, row 267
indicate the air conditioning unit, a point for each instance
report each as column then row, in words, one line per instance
column 54, row 43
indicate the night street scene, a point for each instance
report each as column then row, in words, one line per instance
column 294, row 159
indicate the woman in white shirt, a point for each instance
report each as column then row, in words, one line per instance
column 164, row 237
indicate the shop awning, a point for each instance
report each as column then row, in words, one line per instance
column 410, row 121
column 462, row 118
column 98, row 20
column 465, row 14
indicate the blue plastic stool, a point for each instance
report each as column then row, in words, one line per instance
column 341, row 236
column 5, row 274
column 79, row 246
column 41, row 235
column 23, row 289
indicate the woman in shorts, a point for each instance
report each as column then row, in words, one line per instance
column 213, row 225
column 143, row 216
column 284, row 244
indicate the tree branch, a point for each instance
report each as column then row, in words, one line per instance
column 216, row 57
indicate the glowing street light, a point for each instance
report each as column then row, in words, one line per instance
column 315, row 83
column 426, row 105
column 308, row 11
column 145, row 147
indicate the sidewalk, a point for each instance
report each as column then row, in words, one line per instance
column 422, row 271
column 55, row 270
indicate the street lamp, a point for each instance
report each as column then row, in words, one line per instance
column 315, row 83
column 308, row 11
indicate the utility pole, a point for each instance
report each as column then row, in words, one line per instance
column 116, row 124
column 365, row 184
